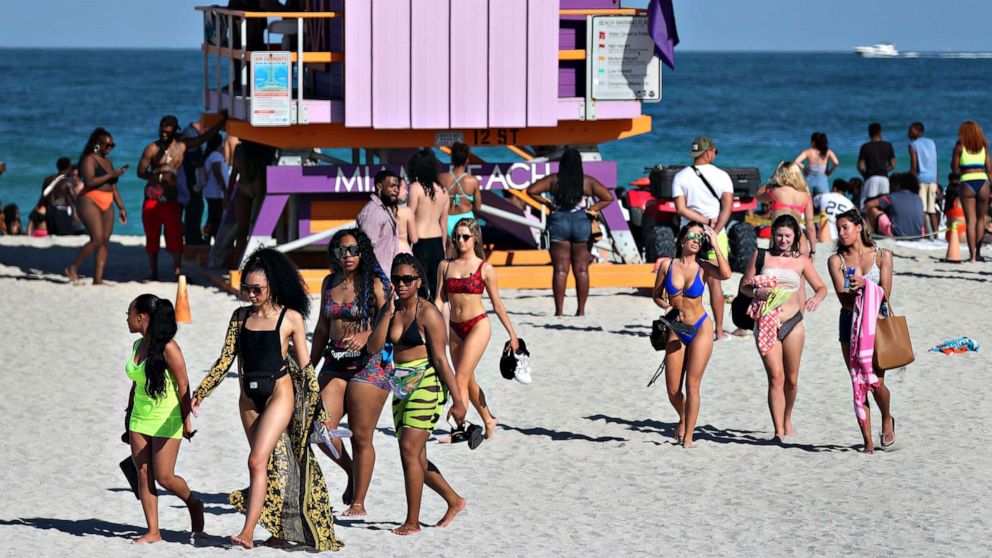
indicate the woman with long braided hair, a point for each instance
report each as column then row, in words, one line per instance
column 421, row 381
column 353, row 380
column 158, row 411
column 429, row 202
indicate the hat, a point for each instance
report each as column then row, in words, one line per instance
column 701, row 145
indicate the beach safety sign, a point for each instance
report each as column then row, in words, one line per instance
column 271, row 89
column 621, row 65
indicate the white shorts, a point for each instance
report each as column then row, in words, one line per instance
column 874, row 186
column 928, row 193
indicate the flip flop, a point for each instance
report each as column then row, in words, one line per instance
column 326, row 435
column 893, row 434
column 476, row 435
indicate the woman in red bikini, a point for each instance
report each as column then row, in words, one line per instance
column 461, row 281
column 787, row 194
column 97, row 197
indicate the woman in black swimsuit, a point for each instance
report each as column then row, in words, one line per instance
column 278, row 401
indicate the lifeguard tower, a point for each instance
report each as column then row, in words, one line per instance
column 384, row 77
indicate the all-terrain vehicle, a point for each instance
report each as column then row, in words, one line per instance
column 655, row 224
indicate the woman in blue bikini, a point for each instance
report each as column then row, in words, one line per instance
column 679, row 286
column 971, row 159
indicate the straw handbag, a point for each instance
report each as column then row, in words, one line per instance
column 893, row 348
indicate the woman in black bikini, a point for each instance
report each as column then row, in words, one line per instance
column 352, row 380
column 780, row 337
column 420, row 382
column 278, row 401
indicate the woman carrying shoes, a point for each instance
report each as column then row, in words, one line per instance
column 352, row 378
column 859, row 268
column 278, row 403
column 159, row 408
column 680, row 284
column 461, row 281
column 421, row 380
column 779, row 333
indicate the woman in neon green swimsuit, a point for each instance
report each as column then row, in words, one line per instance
column 420, row 381
column 158, row 411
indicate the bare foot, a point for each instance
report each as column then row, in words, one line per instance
column 579, row 314
column 244, row 540
column 679, row 433
column 867, row 449
column 687, row 443
column 70, row 272
column 789, row 431
column 407, row 529
column 454, row 510
column 196, row 515
column 148, row 537
column 356, row 510
column 491, row 428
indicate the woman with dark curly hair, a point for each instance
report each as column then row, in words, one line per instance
column 158, row 410
column 352, row 380
column 279, row 400
column 420, row 381
column 779, row 332
column 428, row 200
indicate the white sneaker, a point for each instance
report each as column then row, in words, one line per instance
column 522, row 372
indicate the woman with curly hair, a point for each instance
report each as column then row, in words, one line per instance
column 278, row 403
column 428, row 200
column 679, row 288
column 971, row 159
column 779, row 333
column 158, row 410
column 463, row 278
column 420, row 382
column 352, row 380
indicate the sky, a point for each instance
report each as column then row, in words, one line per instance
column 722, row 25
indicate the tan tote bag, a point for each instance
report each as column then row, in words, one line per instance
column 893, row 348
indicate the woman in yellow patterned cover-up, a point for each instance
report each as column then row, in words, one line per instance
column 278, row 403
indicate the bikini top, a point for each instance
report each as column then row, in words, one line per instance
column 694, row 291
column 787, row 279
column 456, row 199
column 874, row 273
column 347, row 311
column 411, row 335
column 473, row 284
column 261, row 351
column 777, row 205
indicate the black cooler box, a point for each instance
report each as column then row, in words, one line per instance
column 746, row 181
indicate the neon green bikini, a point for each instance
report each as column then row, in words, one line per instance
column 162, row 417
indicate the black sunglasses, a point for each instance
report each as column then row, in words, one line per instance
column 341, row 251
column 463, row 237
column 252, row 289
column 405, row 279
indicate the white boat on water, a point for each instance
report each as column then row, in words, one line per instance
column 880, row 50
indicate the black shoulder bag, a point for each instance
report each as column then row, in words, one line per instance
column 740, row 304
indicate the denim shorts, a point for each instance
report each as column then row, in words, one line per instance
column 565, row 226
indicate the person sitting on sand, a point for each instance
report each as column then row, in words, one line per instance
column 463, row 277
column 857, row 262
column 37, row 227
column 12, row 219
column 159, row 416
column 899, row 213
column 278, row 403
column 422, row 381
column 834, row 203
column 679, row 286
column 160, row 163
column 779, row 334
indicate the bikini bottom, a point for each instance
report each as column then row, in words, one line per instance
column 975, row 185
column 687, row 338
column 462, row 328
column 788, row 325
column 259, row 386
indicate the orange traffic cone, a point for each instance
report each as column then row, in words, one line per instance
column 953, row 246
column 182, row 303
column 823, row 234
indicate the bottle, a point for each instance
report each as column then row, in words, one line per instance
column 848, row 275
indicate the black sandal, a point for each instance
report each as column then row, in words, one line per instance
column 468, row 432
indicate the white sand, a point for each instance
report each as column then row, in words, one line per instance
column 583, row 463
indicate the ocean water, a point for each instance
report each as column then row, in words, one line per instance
column 760, row 108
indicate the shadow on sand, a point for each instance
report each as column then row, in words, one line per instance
column 559, row 435
column 101, row 528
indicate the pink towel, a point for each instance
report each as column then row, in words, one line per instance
column 768, row 325
column 865, row 316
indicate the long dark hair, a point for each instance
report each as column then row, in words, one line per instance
column 91, row 143
column 286, row 286
column 790, row 222
column 408, row 259
column 161, row 329
column 703, row 244
column 854, row 216
column 570, row 179
column 422, row 168
column 819, row 141
column 368, row 270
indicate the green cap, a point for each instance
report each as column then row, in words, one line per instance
column 701, row 145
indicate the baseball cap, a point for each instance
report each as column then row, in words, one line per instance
column 701, row 145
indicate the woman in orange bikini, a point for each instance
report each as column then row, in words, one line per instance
column 98, row 195
column 461, row 280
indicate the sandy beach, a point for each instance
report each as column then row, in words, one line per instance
column 583, row 463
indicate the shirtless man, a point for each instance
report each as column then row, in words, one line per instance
column 159, row 165
column 429, row 202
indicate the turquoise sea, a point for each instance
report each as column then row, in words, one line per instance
column 760, row 108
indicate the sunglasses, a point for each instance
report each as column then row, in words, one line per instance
column 405, row 279
column 110, row 145
column 343, row 251
column 695, row 236
column 462, row 237
column 254, row 290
